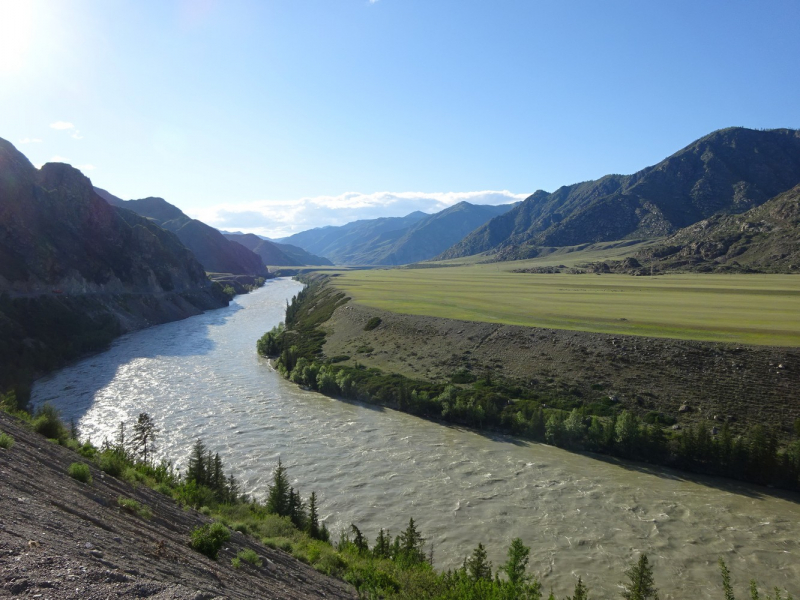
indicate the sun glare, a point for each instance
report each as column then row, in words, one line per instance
column 16, row 17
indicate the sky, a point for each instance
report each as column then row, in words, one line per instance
column 276, row 116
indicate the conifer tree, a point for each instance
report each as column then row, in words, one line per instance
column 196, row 471
column 144, row 436
column 278, row 502
column 581, row 591
column 312, row 525
column 517, row 563
column 641, row 585
column 383, row 545
column 477, row 565
column 411, row 542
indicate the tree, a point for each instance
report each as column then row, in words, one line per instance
column 411, row 542
column 197, row 469
column 517, row 563
column 726, row 580
column 581, row 591
column 359, row 541
column 477, row 565
column 312, row 525
column 383, row 545
column 278, row 501
column 641, row 585
column 144, row 436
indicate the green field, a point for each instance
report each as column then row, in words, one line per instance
column 750, row 309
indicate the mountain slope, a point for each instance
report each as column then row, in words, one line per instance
column 731, row 170
column 414, row 238
column 763, row 239
column 75, row 272
column 272, row 253
column 352, row 243
column 216, row 253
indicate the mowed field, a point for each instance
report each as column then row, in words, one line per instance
column 748, row 309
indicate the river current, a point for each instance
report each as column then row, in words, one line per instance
column 202, row 378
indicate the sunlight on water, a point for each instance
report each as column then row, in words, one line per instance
column 201, row 378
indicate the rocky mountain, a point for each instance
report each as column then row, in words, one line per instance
column 215, row 252
column 76, row 271
column 395, row 241
column 764, row 239
column 273, row 253
column 728, row 171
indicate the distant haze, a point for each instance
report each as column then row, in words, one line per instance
column 282, row 218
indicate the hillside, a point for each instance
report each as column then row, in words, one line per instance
column 75, row 272
column 764, row 239
column 729, row 171
column 216, row 253
column 396, row 241
column 65, row 539
column 272, row 253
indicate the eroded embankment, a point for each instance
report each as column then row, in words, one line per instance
column 688, row 380
column 60, row 538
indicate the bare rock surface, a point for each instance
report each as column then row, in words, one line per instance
column 61, row 539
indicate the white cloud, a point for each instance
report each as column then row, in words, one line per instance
column 30, row 141
column 77, row 135
column 281, row 218
column 62, row 125
column 59, row 159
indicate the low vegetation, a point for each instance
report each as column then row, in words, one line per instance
column 81, row 472
column 208, row 539
column 6, row 441
column 134, row 507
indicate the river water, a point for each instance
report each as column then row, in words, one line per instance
column 201, row 378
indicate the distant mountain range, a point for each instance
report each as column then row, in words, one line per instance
column 728, row 171
column 215, row 252
column 275, row 254
column 396, row 240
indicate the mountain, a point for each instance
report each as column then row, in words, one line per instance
column 763, row 239
column 729, row 171
column 216, row 253
column 396, row 241
column 272, row 253
column 75, row 271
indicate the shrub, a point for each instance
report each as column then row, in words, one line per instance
column 47, row 422
column 250, row 556
column 209, row 539
column 132, row 506
column 372, row 323
column 80, row 471
column 241, row 527
column 6, row 441
column 111, row 462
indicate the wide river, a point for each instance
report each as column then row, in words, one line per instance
column 202, row 378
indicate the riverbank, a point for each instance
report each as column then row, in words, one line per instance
column 687, row 404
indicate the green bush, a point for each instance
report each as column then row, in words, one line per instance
column 112, row 463
column 209, row 539
column 6, row 441
column 47, row 422
column 372, row 323
column 132, row 506
column 80, row 471
column 250, row 556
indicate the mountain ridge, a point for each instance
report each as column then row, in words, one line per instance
column 729, row 170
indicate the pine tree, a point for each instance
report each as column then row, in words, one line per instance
column 312, row 525
column 517, row 563
column 144, row 436
column 359, row 541
column 232, row 489
column 726, row 580
column 383, row 545
column 581, row 591
column 216, row 475
column 411, row 543
column 196, row 471
column 477, row 565
column 641, row 586
column 278, row 501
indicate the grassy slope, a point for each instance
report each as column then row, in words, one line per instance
column 752, row 309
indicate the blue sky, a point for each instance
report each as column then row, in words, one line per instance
column 277, row 116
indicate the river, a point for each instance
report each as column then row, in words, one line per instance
column 201, row 378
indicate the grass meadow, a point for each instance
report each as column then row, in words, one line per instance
column 748, row 309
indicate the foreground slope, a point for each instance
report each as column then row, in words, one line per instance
column 64, row 539
column 764, row 239
column 216, row 253
column 731, row 170
column 75, row 272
